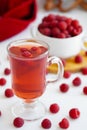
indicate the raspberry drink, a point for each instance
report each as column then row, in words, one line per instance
column 28, row 70
column 28, row 60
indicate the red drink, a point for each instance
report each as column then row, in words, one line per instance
column 28, row 67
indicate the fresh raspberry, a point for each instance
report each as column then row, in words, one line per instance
column 46, row 31
column 2, row 81
column 53, row 24
column 55, row 31
column 0, row 113
column 75, row 32
column 7, row 71
column 75, row 23
column 9, row 93
column 44, row 19
column 70, row 29
column 68, row 21
column 64, row 87
column 44, row 24
column 74, row 113
column 78, row 59
column 61, row 18
column 84, row 71
column 18, row 122
column 62, row 25
column 85, row 90
column 46, row 123
column 61, row 35
column 51, row 17
column 64, row 123
column 76, row 81
column 63, row 61
column 86, row 53
column 67, row 74
column 54, row 108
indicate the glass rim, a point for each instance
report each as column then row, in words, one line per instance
column 15, row 42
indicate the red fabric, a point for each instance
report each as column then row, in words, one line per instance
column 15, row 16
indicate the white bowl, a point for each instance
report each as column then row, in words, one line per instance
column 62, row 47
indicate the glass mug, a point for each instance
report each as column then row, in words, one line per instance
column 29, row 60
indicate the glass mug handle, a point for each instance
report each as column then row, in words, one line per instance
column 54, row 76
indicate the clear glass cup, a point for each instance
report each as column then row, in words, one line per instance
column 29, row 59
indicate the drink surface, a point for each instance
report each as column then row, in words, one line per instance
column 28, row 66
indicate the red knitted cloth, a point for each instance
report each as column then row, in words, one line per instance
column 16, row 15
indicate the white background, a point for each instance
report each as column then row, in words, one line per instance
column 73, row 98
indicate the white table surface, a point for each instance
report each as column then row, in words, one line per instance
column 73, row 98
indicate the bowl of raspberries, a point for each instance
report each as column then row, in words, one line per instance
column 64, row 35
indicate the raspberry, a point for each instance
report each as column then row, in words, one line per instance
column 62, row 25
column 63, row 61
column 85, row 90
column 34, row 48
column 18, row 122
column 2, row 81
column 70, row 29
column 67, row 27
column 68, row 21
column 51, row 17
column 76, row 81
column 64, row 87
column 46, row 31
column 44, row 24
column 61, row 35
column 7, row 71
column 26, row 53
column 86, row 53
column 54, row 108
column 78, row 59
column 84, row 71
column 61, row 18
column 53, row 23
column 75, row 23
column 23, row 49
column 9, row 93
column 46, row 123
column 64, row 123
column 67, row 74
column 55, row 32
column 75, row 32
column 74, row 113
column 0, row 113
